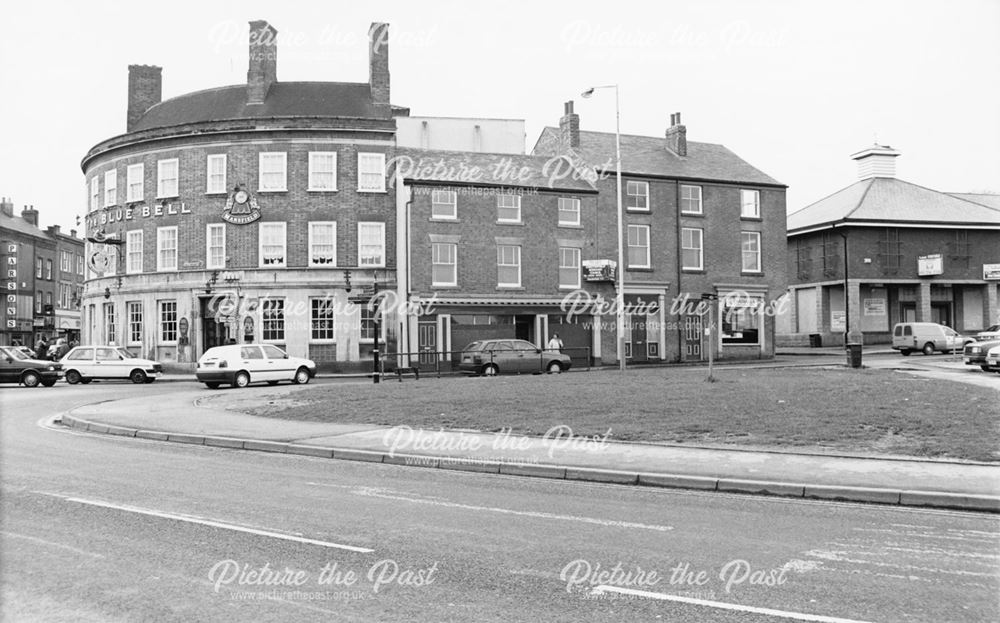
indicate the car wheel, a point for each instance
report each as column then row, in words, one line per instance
column 301, row 376
column 928, row 348
column 48, row 382
column 242, row 379
column 73, row 377
column 138, row 377
column 30, row 378
column 905, row 352
column 554, row 367
column 85, row 381
column 490, row 369
column 212, row 385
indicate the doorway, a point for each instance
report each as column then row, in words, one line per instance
column 427, row 342
column 213, row 332
column 692, row 337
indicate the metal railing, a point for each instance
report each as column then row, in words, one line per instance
column 443, row 363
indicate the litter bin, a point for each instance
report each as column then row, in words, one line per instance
column 854, row 355
column 815, row 340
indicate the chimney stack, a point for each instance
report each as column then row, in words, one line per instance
column 569, row 126
column 145, row 89
column 30, row 214
column 54, row 230
column 677, row 136
column 378, row 67
column 263, row 71
column 876, row 161
column 7, row 207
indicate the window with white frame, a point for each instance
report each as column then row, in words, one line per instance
column 508, row 265
column 569, row 211
column 48, row 269
column 371, row 172
column 133, row 313
column 444, row 264
column 691, row 199
column 371, row 244
column 508, row 208
column 168, row 321
column 637, row 195
column 638, row 246
column 271, row 171
column 215, row 174
column 215, row 246
column 134, row 182
column 322, row 170
column 79, row 264
column 750, row 203
column 273, row 320
column 65, row 265
column 321, row 319
column 39, row 301
column 569, row 267
column 444, row 204
column 740, row 320
column 368, row 317
column 751, row 251
column 38, row 268
column 272, row 245
column 167, row 179
column 110, row 324
column 323, row 243
column 110, row 188
column 166, row 248
column 133, row 251
column 691, row 249
column 95, row 193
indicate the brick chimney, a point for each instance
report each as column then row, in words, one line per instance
column 145, row 90
column 263, row 71
column 54, row 230
column 378, row 67
column 677, row 136
column 569, row 126
column 876, row 161
column 30, row 214
column 7, row 207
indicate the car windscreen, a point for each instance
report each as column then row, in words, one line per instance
column 474, row 346
column 13, row 353
column 126, row 354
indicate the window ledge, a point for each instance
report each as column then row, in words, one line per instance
column 371, row 191
column 751, row 218
column 639, row 269
column 514, row 223
column 272, row 190
column 694, row 214
column 441, row 219
column 570, row 226
column 445, row 286
column 322, row 190
column 500, row 287
column 693, row 271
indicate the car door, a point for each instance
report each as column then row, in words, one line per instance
column 8, row 367
column 81, row 360
column 525, row 356
column 252, row 360
column 278, row 367
column 108, row 363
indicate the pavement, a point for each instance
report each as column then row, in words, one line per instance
column 193, row 417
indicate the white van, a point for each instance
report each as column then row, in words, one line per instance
column 927, row 337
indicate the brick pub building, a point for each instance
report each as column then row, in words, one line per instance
column 234, row 214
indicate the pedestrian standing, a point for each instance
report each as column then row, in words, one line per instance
column 42, row 347
column 555, row 343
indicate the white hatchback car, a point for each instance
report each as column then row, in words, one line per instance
column 241, row 364
column 82, row 364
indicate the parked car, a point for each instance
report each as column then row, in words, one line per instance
column 975, row 353
column 991, row 333
column 993, row 359
column 927, row 337
column 241, row 364
column 83, row 364
column 16, row 367
column 491, row 357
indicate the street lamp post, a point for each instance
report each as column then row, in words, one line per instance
column 620, row 285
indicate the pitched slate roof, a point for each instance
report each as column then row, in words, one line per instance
column 22, row 226
column 988, row 200
column 488, row 169
column 890, row 200
column 648, row 155
column 284, row 99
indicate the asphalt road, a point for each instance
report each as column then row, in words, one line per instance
column 99, row 528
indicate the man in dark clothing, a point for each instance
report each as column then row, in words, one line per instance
column 42, row 348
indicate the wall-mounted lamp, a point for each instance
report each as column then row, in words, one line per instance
column 107, row 293
column 211, row 282
column 347, row 280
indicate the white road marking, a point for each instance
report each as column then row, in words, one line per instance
column 212, row 523
column 35, row 539
column 796, row 616
column 368, row 492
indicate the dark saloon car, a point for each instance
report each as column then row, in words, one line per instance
column 491, row 357
column 975, row 353
column 16, row 367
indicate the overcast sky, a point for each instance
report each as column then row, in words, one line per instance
column 794, row 87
